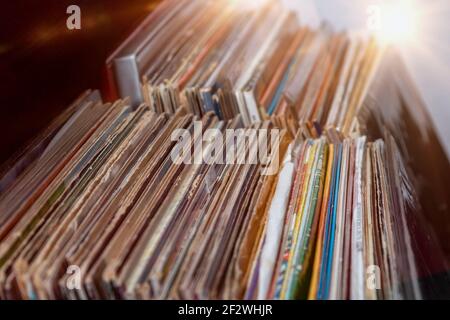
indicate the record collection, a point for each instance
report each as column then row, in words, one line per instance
column 255, row 64
column 247, row 158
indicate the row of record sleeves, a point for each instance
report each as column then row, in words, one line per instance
column 260, row 62
column 102, row 195
column 349, row 202
column 217, row 56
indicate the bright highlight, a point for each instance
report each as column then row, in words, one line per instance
column 398, row 22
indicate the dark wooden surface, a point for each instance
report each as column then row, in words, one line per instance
column 44, row 66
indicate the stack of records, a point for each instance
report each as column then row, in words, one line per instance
column 148, row 205
column 268, row 161
column 254, row 63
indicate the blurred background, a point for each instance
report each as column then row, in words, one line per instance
column 44, row 66
column 419, row 28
